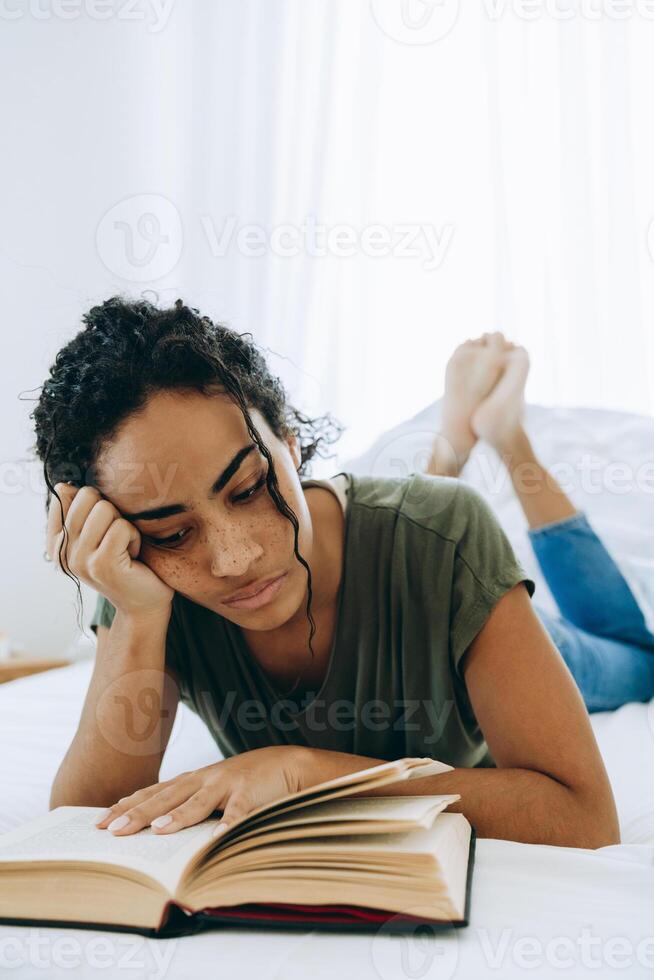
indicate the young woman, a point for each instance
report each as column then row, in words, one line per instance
column 601, row 632
column 317, row 626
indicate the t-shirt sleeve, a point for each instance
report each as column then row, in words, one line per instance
column 103, row 615
column 485, row 568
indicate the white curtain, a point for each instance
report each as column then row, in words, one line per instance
column 361, row 183
column 283, row 157
column 503, row 161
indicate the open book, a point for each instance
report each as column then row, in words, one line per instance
column 318, row 858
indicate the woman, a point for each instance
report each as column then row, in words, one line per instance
column 395, row 619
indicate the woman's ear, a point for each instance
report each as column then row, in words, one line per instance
column 293, row 444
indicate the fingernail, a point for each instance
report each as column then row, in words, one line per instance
column 103, row 815
column 218, row 829
column 161, row 821
column 119, row 823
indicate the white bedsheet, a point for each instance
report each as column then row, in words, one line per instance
column 552, row 911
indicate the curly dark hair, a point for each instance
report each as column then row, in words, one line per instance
column 128, row 350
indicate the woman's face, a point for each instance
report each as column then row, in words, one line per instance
column 187, row 454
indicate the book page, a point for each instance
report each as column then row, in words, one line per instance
column 68, row 833
column 342, row 818
column 413, row 809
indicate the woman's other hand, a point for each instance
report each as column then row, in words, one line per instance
column 236, row 786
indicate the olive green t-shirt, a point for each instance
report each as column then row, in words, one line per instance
column 425, row 562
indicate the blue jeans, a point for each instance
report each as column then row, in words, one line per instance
column 601, row 632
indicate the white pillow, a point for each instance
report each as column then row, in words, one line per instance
column 603, row 459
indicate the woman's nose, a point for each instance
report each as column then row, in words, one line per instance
column 232, row 554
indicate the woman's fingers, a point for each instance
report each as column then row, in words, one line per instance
column 91, row 536
column 76, row 503
column 125, row 802
column 110, row 814
column 182, row 802
column 196, row 808
column 88, row 520
column 234, row 786
column 121, row 537
column 134, row 812
column 237, row 806
column 84, row 502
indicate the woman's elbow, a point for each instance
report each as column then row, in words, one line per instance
column 598, row 824
column 602, row 833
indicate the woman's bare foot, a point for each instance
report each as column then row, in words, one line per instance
column 498, row 418
column 471, row 372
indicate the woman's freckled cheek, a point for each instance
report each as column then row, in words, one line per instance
column 171, row 568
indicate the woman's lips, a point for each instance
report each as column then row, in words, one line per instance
column 266, row 595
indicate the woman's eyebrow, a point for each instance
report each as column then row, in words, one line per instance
column 158, row 513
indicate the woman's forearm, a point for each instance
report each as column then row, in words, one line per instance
column 126, row 718
column 509, row 804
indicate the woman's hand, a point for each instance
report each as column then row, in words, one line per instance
column 102, row 550
column 236, row 786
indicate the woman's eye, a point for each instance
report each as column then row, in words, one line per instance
column 175, row 539
column 252, row 490
column 170, row 542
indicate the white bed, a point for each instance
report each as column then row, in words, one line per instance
column 523, row 895
column 545, row 910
